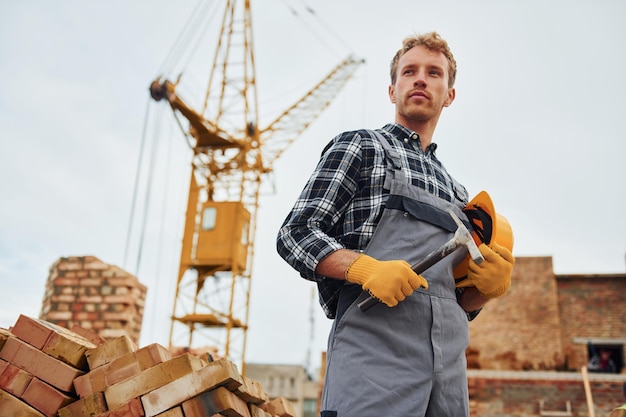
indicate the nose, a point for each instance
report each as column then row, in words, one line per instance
column 419, row 81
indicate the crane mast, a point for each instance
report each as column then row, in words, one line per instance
column 230, row 157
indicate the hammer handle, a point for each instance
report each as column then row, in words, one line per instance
column 367, row 301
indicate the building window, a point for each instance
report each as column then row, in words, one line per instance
column 208, row 218
column 310, row 408
column 605, row 358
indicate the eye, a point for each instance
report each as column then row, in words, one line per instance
column 435, row 73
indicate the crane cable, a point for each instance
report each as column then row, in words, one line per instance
column 174, row 56
column 136, row 186
column 326, row 26
column 186, row 36
column 161, row 239
column 148, row 194
column 315, row 33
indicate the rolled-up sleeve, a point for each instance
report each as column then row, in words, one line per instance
column 312, row 229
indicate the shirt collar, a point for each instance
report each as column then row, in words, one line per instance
column 401, row 133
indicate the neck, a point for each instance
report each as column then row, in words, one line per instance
column 425, row 129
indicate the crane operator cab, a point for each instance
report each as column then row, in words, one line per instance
column 223, row 236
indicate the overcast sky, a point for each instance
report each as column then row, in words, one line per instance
column 538, row 122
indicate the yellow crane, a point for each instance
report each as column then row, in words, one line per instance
column 231, row 155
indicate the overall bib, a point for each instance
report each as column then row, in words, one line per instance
column 409, row 360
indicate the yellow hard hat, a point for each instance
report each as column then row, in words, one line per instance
column 487, row 227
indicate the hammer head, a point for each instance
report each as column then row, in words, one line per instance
column 463, row 237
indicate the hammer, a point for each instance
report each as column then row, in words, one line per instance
column 462, row 238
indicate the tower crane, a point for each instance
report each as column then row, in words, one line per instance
column 231, row 156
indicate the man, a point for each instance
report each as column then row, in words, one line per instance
column 377, row 203
column 601, row 361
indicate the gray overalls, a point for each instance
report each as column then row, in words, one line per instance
column 409, row 360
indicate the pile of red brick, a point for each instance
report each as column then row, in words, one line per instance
column 47, row 370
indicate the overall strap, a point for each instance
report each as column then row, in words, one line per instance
column 350, row 292
column 392, row 156
column 419, row 210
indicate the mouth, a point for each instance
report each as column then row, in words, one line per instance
column 418, row 94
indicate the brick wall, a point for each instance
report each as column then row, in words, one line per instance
column 103, row 298
column 517, row 394
column 592, row 307
column 522, row 329
column 545, row 320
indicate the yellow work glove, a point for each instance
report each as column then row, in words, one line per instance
column 388, row 281
column 492, row 277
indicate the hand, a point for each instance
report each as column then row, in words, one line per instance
column 388, row 281
column 492, row 277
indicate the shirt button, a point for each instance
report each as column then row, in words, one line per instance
column 406, row 140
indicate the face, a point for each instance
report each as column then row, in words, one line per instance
column 421, row 89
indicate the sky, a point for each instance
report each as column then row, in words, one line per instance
column 538, row 122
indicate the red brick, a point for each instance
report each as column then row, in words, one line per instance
column 62, row 298
column 251, row 391
column 94, row 263
column 92, row 405
column 13, row 379
column 91, row 382
column 132, row 408
column 30, row 331
column 172, row 412
column 279, row 407
column 151, row 379
column 255, row 411
column 124, row 316
column 220, row 400
column 51, row 370
column 65, row 281
column 68, row 348
column 90, row 299
column 119, row 299
column 92, row 282
column 11, row 406
column 4, row 335
column 69, row 264
column 133, row 363
column 54, row 340
column 109, row 351
column 151, row 355
column 45, row 398
column 124, row 281
column 108, row 332
column 219, row 373
column 59, row 316
column 124, row 367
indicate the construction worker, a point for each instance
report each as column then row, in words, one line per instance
column 375, row 204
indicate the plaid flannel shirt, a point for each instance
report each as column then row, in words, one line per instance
column 343, row 200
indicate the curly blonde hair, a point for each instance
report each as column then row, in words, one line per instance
column 432, row 41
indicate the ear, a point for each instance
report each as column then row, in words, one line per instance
column 450, row 99
column 392, row 94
